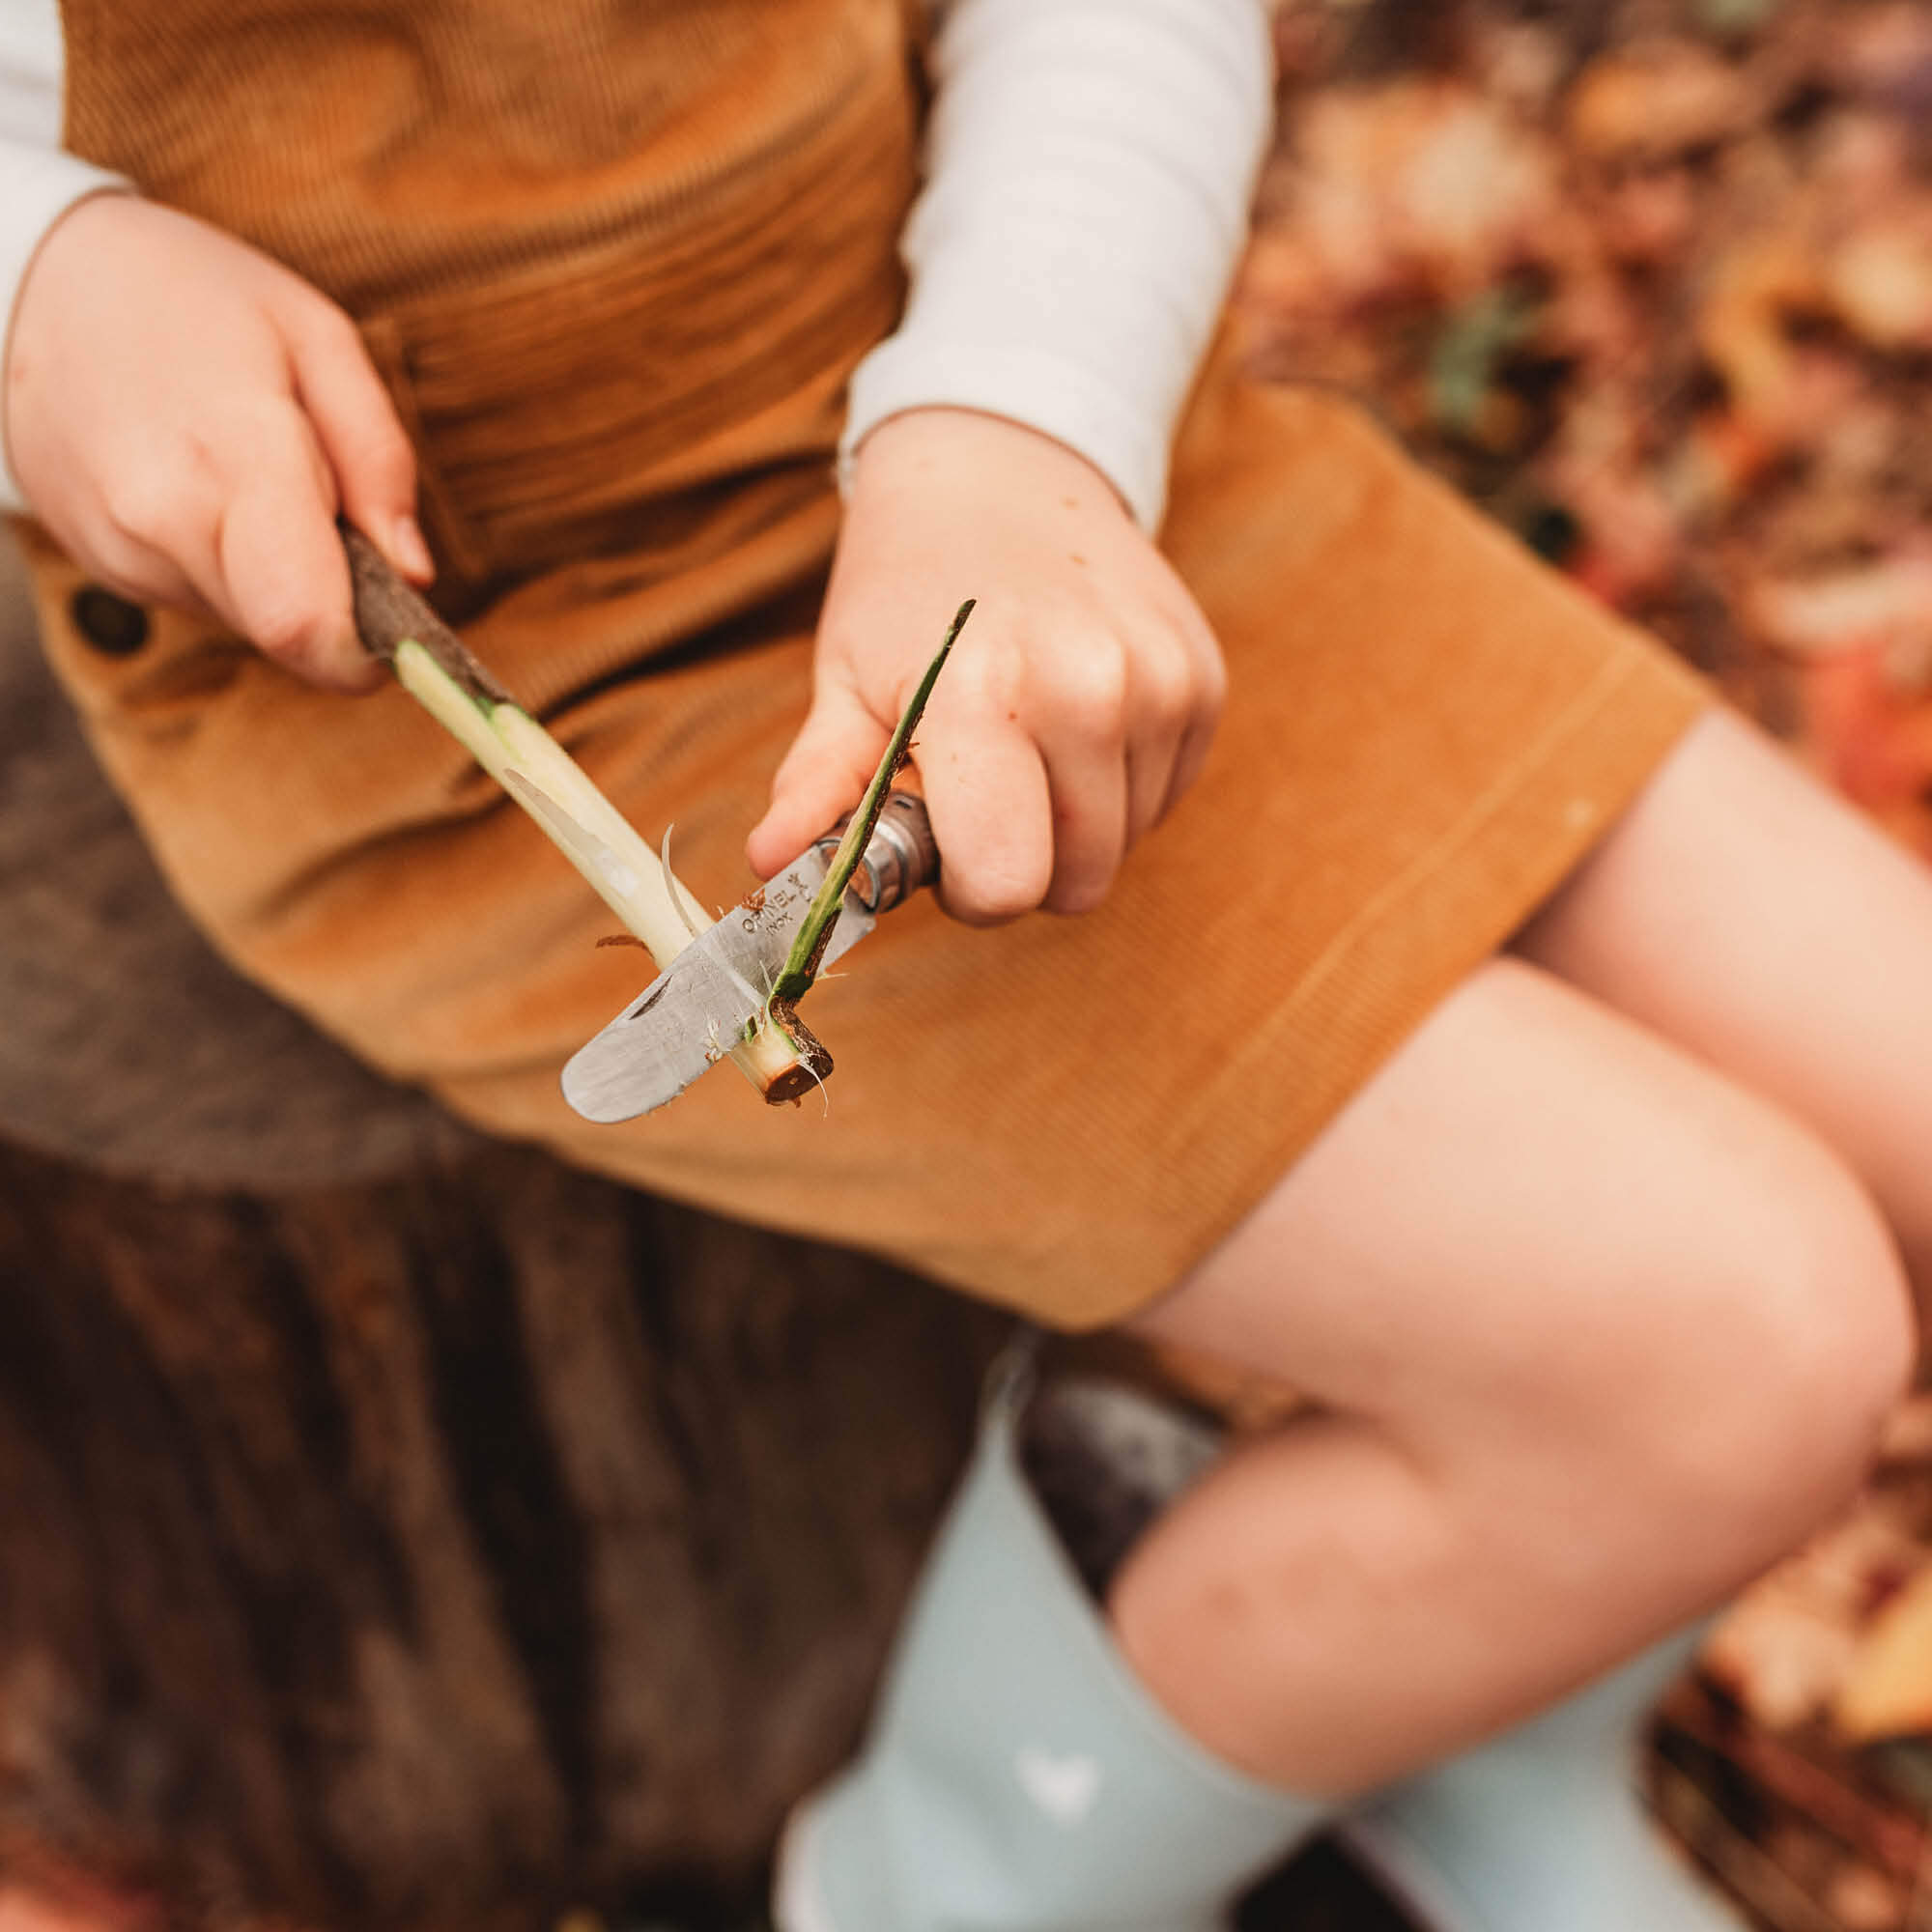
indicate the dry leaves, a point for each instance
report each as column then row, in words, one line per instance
column 1841, row 1637
column 1664, row 305
column 1652, row 280
column 1792, row 1763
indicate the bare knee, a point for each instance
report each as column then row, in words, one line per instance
column 1809, row 1329
column 1741, row 1404
column 1619, row 1314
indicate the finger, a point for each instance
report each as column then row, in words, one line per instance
column 1080, row 713
column 823, row 774
column 1089, row 784
column 154, row 538
column 1210, row 697
column 987, row 797
column 355, row 422
column 1192, row 753
column 283, row 570
column 137, row 571
column 1160, row 707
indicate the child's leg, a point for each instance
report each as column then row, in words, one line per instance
column 1744, row 913
column 1596, row 1333
column 1729, row 891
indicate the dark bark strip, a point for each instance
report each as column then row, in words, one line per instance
column 125, row 1606
column 389, row 614
column 447, row 1551
column 514, row 1498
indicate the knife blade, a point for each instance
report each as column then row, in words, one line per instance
column 697, row 1009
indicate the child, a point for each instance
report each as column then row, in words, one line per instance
column 1454, row 1028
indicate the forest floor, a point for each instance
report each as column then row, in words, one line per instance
column 1651, row 280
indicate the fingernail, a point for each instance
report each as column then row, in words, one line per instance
column 405, row 540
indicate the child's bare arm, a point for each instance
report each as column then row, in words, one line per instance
column 187, row 417
column 1079, row 703
column 1087, row 195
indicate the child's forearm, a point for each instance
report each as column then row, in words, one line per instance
column 38, row 182
column 1089, row 175
column 38, row 185
column 1087, row 192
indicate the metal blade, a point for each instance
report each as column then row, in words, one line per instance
column 696, row 1010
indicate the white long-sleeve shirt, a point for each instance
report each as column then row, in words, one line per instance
column 1087, row 174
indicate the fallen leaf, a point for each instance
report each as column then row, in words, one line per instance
column 1879, row 281
column 1887, row 1691
column 1656, row 99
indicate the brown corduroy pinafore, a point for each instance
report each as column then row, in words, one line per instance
column 616, row 262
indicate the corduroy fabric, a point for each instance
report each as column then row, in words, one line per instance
column 1426, row 728
column 611, row 256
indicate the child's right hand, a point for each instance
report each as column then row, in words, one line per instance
column 187, row 417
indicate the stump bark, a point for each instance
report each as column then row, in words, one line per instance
column 399, row 1531
column 452, row 1551
column 395, row 1529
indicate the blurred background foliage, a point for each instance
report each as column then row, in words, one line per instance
column 1651, row 280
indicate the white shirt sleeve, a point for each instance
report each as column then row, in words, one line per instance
column 38, row 182
column 1089, row 173
column 1089, row 170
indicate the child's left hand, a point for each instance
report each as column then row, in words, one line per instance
column 1078, row 704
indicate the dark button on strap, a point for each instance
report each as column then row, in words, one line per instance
column 109, row 623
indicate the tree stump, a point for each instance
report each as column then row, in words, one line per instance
column 398, row 1530
column 450, row 1551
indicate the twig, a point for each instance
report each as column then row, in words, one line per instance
column 801, row 965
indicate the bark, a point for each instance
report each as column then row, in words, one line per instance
column 452, row 1551
column 388, row 613
column 399, row 1531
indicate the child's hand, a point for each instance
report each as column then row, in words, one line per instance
column 185, row 417
column 1078, row 703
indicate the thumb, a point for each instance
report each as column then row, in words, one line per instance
column 355, row 422
column 825, row 773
